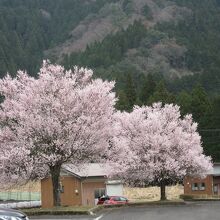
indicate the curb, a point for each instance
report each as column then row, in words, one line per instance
column 38, row 213
column 200, row 200
column 156, row 203
column 96, row 209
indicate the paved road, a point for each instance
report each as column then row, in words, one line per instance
column 198, row 211
column 66, row 217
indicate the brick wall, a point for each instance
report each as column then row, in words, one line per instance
column 68, row 198
column 89, row 186
column 76, row 191
column 189, row 181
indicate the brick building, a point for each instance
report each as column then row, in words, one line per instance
column 209, row 186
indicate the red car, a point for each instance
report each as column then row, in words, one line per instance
column 102, row 200
column 116, row 200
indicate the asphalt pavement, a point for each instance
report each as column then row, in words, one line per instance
column 191, row 211
column 65, row 217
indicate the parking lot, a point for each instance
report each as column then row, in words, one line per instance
column 191, row 211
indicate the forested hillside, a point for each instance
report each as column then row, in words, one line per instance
column 155, row 50
column 178, row 38
column 28, row 27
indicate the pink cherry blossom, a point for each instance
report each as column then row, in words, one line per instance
column 60, row 116
column 155, row 145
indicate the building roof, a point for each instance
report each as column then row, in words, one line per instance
column 216, row 170
column 86, row 170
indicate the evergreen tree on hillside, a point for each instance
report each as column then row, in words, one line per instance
column 200, row 105
column 147, row 89
column 122, row 103
column 3, row 60
column 211, row 131
column 161, row 94
column 29, row 27
column 184, row 100
column 111, row 50
column 130, row 92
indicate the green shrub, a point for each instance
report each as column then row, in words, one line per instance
column 186, row 197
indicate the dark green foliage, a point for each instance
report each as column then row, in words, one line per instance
column 197, row 103
column 200, row 105
column 187, row 197
column 211, row 130
column 148, row 88
column 122, row 103
column 200, row 34
column 28, row 27
column 127, row 6
column 127, row 97
column 184, row 99
column 161, row 94
column 205, row 112
column 130, row 92
column 146, row 11
column 209, row 80
column 111, row 50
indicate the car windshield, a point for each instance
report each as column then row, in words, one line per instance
column 116, row 198
column 104, row 198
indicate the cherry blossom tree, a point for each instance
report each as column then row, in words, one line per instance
column 156, row 145
column 60, row 116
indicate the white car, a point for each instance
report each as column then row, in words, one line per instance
column 12, row 214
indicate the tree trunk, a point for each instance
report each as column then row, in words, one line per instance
column 162, row 190
column 55, row 176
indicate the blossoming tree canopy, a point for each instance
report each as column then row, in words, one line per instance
column 61, row 116
column 157, row 145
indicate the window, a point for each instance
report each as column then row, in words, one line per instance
column 104, row 198
column 116, row 199
column 123, row 199
column 198, row 186
column 99, row 193
column 202, row 186
column 195, row 187
column 215, row 189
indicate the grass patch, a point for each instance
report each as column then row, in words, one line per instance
column 165, row 202
column 202, row 197
column 148, row 203
column 76, row 210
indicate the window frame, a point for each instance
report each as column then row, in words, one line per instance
column 202, row 186
column 195, row 187
column 98, row 192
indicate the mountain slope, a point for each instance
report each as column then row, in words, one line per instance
column 137, row 43
column 28, row 27
column 181, row 38
column 115, row 16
